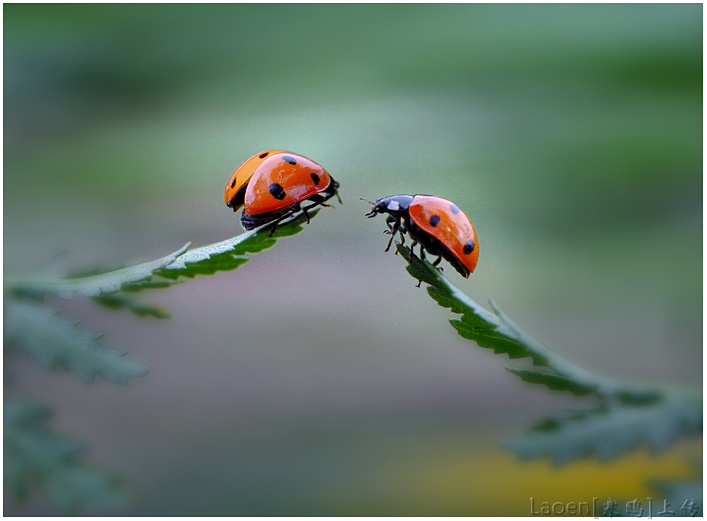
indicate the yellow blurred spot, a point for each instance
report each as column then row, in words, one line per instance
column 457, row 480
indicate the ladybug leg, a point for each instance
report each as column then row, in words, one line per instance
column 296, row 208
column 394, row 229
column 390, row 242
column 317, row 200
column 436, row 263
column 274, row 227
column 331, row 191
column 412, row 247
column 403, row 230
column 320, row 200
column 396, row 225
column 390, row 222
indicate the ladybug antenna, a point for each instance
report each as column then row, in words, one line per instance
column 366, row 200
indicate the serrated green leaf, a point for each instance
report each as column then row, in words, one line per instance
column 207, row 266
column 122, row 300
column 552, row 381
column 54, row 341
column 94, row 285
column 206, row 260
column 607, row 433
column 228, row 255
column 476, row 323
column 498, row 332
column 634, row 414
column 490, row 339
column 469, row 314
column 36, row 457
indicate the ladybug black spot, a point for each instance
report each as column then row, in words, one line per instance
column 277, row 191
column 315, row 178
column 233, row 184
column 454, row 208
column 289, row 159
column 434, row 220
column 264, row 154
column 469, row 246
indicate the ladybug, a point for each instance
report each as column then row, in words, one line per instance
column 437, row 225
column 272, row 185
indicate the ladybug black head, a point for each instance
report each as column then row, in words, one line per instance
column 393, row 205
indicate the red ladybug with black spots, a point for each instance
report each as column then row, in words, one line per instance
column 273, row 185
column 437, row 225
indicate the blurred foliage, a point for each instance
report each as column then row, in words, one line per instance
column 55, row 342
column 610, row 431
column 36, row 457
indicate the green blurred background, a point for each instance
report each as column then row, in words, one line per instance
column 317, row 379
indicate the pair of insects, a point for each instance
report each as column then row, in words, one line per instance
column 274, row 185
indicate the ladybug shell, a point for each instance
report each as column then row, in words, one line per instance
column 282, row 180
column 235, row 187
column 444, row 221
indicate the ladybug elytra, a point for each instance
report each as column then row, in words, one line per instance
column 273, row 185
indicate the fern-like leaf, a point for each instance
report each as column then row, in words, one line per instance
column 611, row 431
column 230, row 254
column 630, row 414
column 97, row 284
column 111, row 287
column 123, row 300
column 498, row 332
column 54, row 341
column 553, row 381
column 35, row 456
